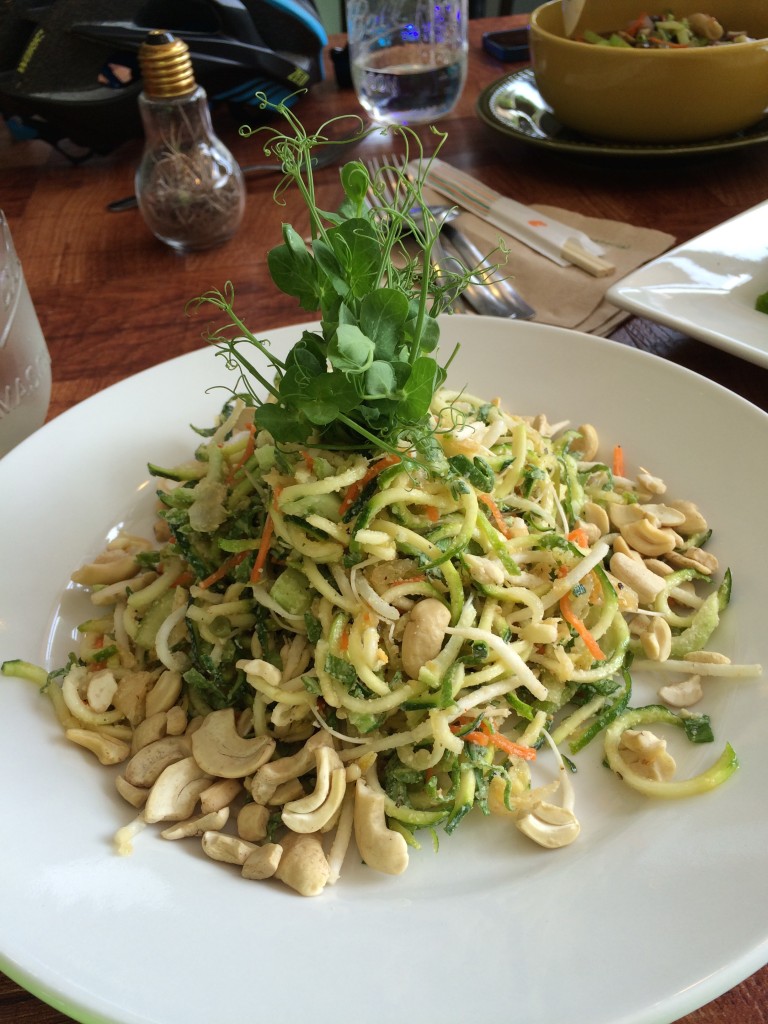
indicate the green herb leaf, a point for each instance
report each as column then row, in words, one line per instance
column 368, row 377
column 350, row 350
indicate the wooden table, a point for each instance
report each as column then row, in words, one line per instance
column 111, row 298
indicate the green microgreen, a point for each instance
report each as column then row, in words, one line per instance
column 366, row 378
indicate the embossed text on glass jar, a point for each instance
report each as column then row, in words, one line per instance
column 25, row 365
column 408, row 57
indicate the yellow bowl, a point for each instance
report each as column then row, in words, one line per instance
column 634, row 95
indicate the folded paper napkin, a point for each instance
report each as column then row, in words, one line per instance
column 567, row 296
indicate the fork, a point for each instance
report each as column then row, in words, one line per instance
column 385, row 185
column 486, row 294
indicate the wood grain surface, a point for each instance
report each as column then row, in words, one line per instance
column 111, row 298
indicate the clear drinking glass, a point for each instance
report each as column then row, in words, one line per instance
column 408, row 57
column 25, row 365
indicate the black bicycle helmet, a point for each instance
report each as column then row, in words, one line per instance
column 69, row 68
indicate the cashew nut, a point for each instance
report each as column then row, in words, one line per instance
column 621, row 514
column 303, row 865
column 217, row 747
column 423, row 635
column 219, row 794
column 656, row 565
column 146, row 764
column 108, row 749
column 632, row 573
column 596, row 515
column 664, row 515
column 550, row 825
column 214, row 821
column 683, row 694
column 647, row 754
column 176, row 721
column 262, row 862
column 706, row 25
column 269, row 776
column 648, row 539
column 225, row 848
column 136, row 796
column 694, row 521
column 252, row 822
column 648, row 482
column 657, row 639
column 164, row 693
column 591, row 531
column 111, row 566
column 101, row 690
column 707, row 657
column 587, row 443
column 694, row 558
column 131, row 695
column 313, row 811
column 380, row 847
column 484, row 570
column 175, row 793
column 285, row 792
column 151, row 729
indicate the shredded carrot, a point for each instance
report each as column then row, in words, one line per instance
column 224, row 568
column 495, row 739
column 408, row 579
column 495, row 511
column 247, row 453
column 309, row 461
column 261, row 554
column 484, row 736
column 618, row 461
column 579, row 537
column 344, row 640
column 432, row 512
column 572, row 618
column 373, row 471
column 184, row 580
column 634, row 27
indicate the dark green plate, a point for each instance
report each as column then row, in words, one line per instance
column 513, row 106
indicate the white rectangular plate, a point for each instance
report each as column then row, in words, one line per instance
column 707, row 287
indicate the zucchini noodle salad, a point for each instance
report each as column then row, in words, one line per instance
column 373, row 604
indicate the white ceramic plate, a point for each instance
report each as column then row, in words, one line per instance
column 707, row 287
column 655, row 910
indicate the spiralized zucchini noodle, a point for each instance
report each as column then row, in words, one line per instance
column 321, row 647
column 372, row 605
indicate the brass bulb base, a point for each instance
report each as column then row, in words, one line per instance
column 166, row 67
